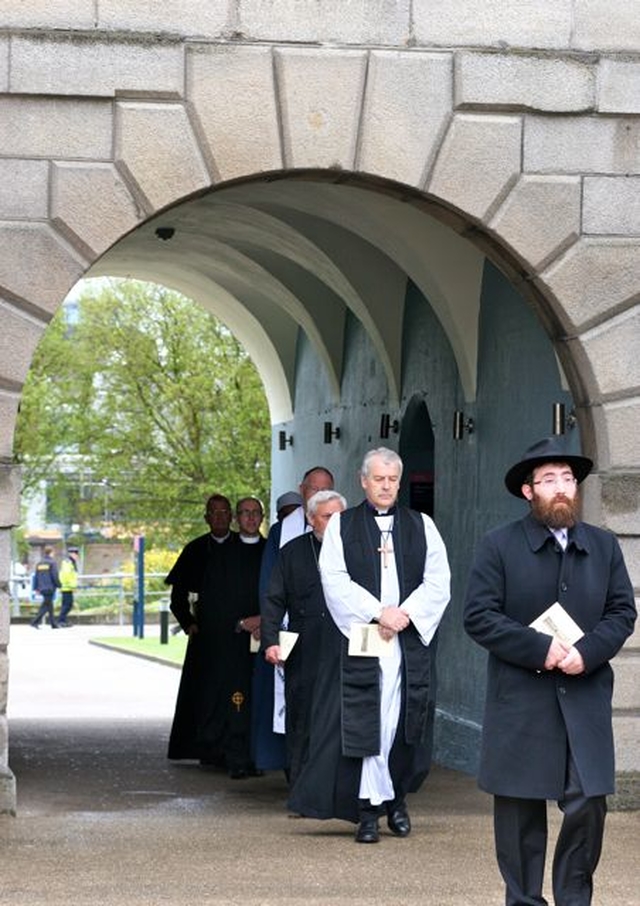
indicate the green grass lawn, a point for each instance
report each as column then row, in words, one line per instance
column 150, row 646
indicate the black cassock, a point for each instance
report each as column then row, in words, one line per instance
column 212, row 720
column 295, row 588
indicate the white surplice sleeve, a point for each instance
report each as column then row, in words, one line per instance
column 347, row 601
column 426, row 605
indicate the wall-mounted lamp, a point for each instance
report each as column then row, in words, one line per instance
column 560, row 421
column 460, row 425
column 330, row 432
column 283, row 440
column 386, row 425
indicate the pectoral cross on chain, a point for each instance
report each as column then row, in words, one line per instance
column 384, row 548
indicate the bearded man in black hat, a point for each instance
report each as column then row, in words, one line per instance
column 547, row 731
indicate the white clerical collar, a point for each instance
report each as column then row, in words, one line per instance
column 220, row 540
column 249, row 539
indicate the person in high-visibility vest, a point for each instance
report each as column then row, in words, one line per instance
column 68, row 583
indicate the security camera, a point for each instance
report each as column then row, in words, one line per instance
column 165, row 233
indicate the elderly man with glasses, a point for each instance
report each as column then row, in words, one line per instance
column 547, row 731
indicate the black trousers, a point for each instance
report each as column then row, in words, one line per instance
column 520, row 827
column 46, row 609
column 65, row 607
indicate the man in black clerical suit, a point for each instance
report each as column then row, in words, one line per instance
column 214, row 597
column 295, row 592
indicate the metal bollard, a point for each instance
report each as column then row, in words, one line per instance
column 164, row 622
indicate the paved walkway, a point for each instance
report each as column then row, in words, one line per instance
column 104, row 819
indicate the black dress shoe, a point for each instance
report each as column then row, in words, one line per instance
column 237, row 773
column 367, row 831
column 398, row 821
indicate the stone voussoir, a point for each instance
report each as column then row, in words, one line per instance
column 112, row 213
column 231, row 93
column 407, row 109
column 614, row 349
column 488, row 147
column 594, row 278
column 158, row 147
column 320, row 99
column 523, row 219
column 21, row 334
column 53, row 266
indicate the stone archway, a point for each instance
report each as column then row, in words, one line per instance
column 518, row 153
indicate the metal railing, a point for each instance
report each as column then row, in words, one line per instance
column 108, row 590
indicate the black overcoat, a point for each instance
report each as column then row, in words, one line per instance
column 295, row 589
column 532, row 715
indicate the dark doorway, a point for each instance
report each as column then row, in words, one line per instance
column 417, row 452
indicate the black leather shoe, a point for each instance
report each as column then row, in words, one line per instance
column 237, row 773
column 367, row 831
column 398, row 821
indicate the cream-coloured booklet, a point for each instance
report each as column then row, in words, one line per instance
column 556, row 621
column 286, row 641
column 365, row 641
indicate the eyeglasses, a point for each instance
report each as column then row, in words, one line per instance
column 550, row 481
column 250, row 513
column 218, row 512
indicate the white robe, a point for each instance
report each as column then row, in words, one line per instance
column 349, row 602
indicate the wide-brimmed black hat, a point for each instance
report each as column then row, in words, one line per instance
column 551, row 449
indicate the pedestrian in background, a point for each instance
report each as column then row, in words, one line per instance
column 68, row 583
column 45, row 583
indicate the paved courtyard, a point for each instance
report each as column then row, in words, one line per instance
column 104, row 819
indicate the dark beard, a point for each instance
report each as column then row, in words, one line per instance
column 557, row 513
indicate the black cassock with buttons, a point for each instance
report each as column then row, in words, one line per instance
column 532, row 715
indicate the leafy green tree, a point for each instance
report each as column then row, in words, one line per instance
column 137, row 409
